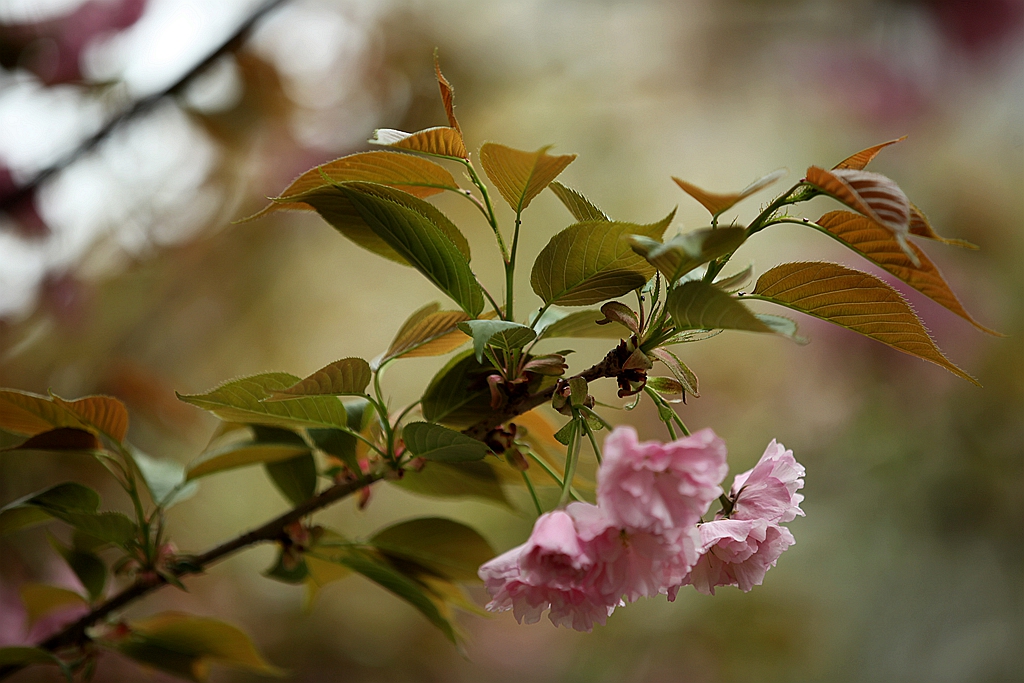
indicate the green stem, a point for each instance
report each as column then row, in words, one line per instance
column 572, row 456
column 780, row 201
column 489, row 214
column 593, row 439
column 552, row 473
column 591, row 412
column 533, row 493
column 491, row 299
column 510, row 268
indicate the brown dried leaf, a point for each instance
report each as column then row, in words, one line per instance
column 428, row 332
column 862, row 158
column 718, row 203
column 440, row 141
column 447, row 95
column 877, row 244
column 520, row 176
column 854, row 300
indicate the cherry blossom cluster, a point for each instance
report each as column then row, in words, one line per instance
column 646, row 535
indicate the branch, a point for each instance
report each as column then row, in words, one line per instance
column 609, row 366
column 230, row 44
column 74, row 634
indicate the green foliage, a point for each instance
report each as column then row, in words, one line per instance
column 681, row 254
column 578, row 325
column 185, row 645
column 458, row 394
column 165, row 479
column 696, row 305
column 579, row 206
column 243, row 400
column 501, row 334
column 25, row 656
column 592, row 261
column 40, row 599
column 72, row 503
column 455, row 480
column 434, row 442
column 345, row 377
column 449, row 549
column 86, row 565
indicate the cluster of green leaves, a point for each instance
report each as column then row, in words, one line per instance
column 473, row 435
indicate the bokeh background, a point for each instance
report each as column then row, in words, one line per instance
column 123, row 273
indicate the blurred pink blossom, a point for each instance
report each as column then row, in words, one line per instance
column 737, row 552
column 769, row 490
column 653, row 486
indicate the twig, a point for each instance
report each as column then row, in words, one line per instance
column 141, row 106
column 74, row 634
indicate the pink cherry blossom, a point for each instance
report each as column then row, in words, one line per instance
column 630, row 564
column 737, row 552
column 768, row 491
column 551, row 571
column 655, row 487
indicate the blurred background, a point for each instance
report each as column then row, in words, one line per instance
column 121, row 272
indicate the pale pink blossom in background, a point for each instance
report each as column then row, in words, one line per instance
column 769, row 490
column 737, row 552
column 653, row 486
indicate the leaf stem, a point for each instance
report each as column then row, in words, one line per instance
column 572, row 456
column 593, row 439
column 553, row 474
column 533, row 493
column 510, row 269
column 489, row 214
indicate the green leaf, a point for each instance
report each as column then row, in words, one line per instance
column 667, row 387
column 112, row 527
column 89, row 568
column 697, row 305
column 417, row 232
column 782, row 325
column 681, row 254
column 345, row 377
column 678, row 368
column 579, row 206
column 40, row 599
column 417, row 176
column 854, row 300
column 268, row 445
column 440, row 141
column 578, row 325
column 428, row 332
column 298, row 573
column 564, row 435
column 26, row 656
column 448, row 548
column 592, row 261
column 455, row 480
column 501, row 334
column 458, row 395
column 39, row 507
column 164, row 478
column 241, row 400
column 338, row 444
column 435, row 442
column 520, row 176
column 399, row 584
column 578, row 392
column 186, row 645
column 295, row 478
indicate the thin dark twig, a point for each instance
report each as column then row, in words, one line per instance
column 140, row 106
column 75, row 633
